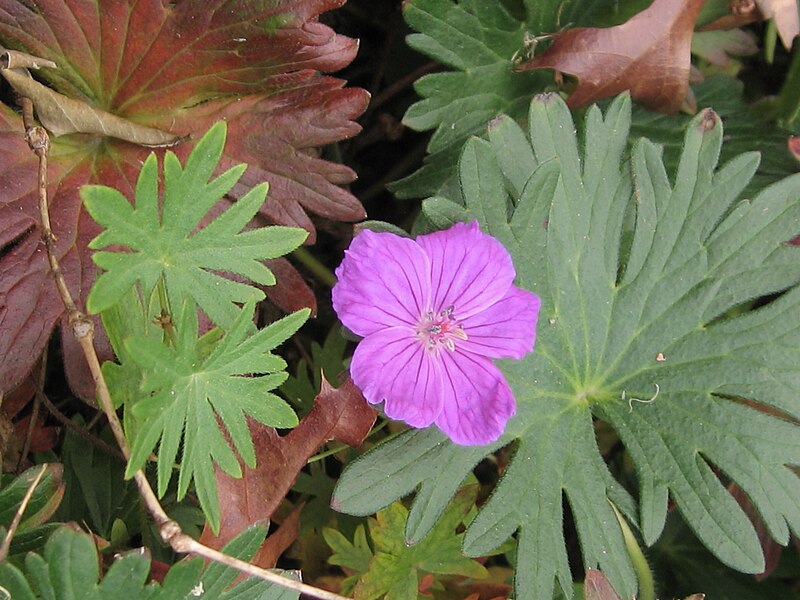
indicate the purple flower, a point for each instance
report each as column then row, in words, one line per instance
column 433, row 312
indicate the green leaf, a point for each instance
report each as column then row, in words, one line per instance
column 69, row 571
column 482, row 42
column 647, row 323
column 164, row 243
column 43, row 502
column 95, row 492
column 355, row 555
column 394, row 568
column 190, row 391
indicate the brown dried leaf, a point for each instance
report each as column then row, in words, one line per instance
column 61, row 115
column 340, row 414
column 648, row 55
column 279, row 541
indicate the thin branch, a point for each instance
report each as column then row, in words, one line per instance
column 80, row 431
column 187, row 544
column 20, row 511
column 83, row 330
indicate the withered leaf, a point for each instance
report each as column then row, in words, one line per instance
column 61, row 115
column 649, row 55
column 338, row 413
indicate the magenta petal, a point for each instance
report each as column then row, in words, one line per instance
column 383, row 281
column 469, row 269
column 477, row 401
column 392, row 366
column 506, row 329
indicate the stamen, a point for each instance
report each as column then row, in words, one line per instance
column 440, row 330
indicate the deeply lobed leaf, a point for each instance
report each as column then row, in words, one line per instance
column 645, row 278
column 255, row 65
column 164, row 245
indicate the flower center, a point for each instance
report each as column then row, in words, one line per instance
column 437, row 330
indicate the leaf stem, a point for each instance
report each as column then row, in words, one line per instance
column 647, row 590
column 341, row 447
column 165, row 318
column 310, row 262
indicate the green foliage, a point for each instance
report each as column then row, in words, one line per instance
column 69, row 570
column 482, row 42
column 639, row 276
column 164, row 245
column 326, row 359
column 33, row 529
column 353, row 556
column 95, row 491
column 394, row 567
column 193, row 387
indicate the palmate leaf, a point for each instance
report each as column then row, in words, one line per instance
column 165, row 245
column 180, row 67
column 69, row 570
column 193, row 389
column 637, row 270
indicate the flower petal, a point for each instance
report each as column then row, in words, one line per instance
column 477, row 401
column 469, row 269
column 507, row 329
column 392, row 366
column 383, row 281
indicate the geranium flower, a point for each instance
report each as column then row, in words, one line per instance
column 433, row 312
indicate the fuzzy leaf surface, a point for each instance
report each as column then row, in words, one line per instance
column 189, row 390
column 254, row 64
column 165, row 245
column 68, row 569
column 637, row 273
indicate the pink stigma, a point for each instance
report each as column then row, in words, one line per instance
column 440, row 329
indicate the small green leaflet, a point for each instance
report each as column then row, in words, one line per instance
column 192, row 389
column 163, row 243
column 69, row 571
column 647, row 280
column 394, row 568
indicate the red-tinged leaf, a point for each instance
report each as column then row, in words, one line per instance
column 176, row 67
column 341, row 414
column 597, row 587
column 772, row 550
column 648, row 55
column 292, row 292
column 794, row 146
column 279, row 540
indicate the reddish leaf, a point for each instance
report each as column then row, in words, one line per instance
column 648, row 55
column 340, row 414
column 279, row 541
column 178, row 67
column 597, row 587
column 794, row 146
